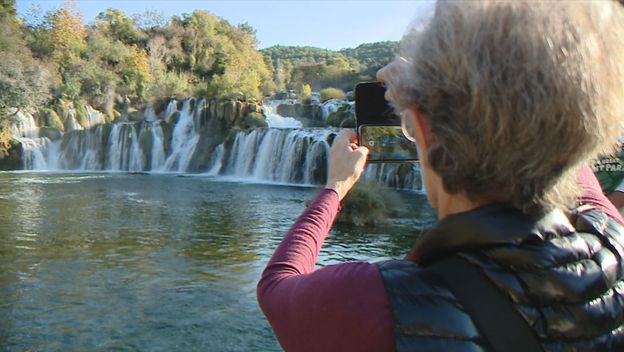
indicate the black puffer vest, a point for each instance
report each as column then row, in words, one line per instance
column 564, row 275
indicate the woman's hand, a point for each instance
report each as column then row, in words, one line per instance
column 346, row 163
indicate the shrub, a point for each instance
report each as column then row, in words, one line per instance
column 170, row 85
column 343, row 117
column 332, row 93
column 254, row 119
column 368, row 204
column 51, row 119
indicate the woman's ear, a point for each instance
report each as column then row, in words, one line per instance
column 422, row 128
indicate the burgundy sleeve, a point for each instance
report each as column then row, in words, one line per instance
column 341, row 307
column 592, row 193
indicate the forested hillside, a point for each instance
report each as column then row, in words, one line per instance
column 321, row 68
column 125, row 61
column 119, row 62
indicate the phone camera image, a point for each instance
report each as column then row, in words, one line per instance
column 379, row 128
column 387, row 144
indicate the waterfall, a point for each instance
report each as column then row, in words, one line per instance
column 395, row 175
column 332, row 105
column 25, row 126
column 172, row 108
column 284, row 156
column 80, row 150
column 217, row 161
column 274, row 120
column 149, row 113
column 170, row 142
column 185, row 138
column 94, row 117
column 71, row 123
column 158, row 147
column 299, row 156
column 26, row 132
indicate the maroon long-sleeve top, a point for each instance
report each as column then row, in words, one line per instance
column 341, row 307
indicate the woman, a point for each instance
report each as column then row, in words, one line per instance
column 506, row 101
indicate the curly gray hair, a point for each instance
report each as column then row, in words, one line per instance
column 518, row 94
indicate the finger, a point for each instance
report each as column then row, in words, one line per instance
column 342, row 139
column 364, row 150
column 349, row 135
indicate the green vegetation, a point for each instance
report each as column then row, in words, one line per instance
column 254, row 119
column 332, row 93
column 119, row 63
column 369, row 204
column 23, row 82
column 343, row 117
column 321, row 68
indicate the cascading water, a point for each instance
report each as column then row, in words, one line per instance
column 25, row 130
column 274, row 120
column 185, row 137
column 284, row 156
column 94, row 117
column 300, row 157
column 172, row 108
column 332, row 105
column 158, row 146
column 169, row 143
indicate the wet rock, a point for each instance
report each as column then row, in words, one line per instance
column 136, row 115
column 240, row 113
column 50, row 118
column 175, row 117
column 312, row 112
column 229, row 112
column 11, row 159
column 220, row 107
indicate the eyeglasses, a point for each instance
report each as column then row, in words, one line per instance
column 407, row 127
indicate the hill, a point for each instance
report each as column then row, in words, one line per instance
column 294, row 66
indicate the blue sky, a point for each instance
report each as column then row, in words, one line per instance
column 321, row 23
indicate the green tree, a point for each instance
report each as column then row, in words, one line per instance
column 120, row 26
column 7, row 9
column 68, row 31
column 24, row 81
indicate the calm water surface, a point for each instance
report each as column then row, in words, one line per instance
column 92, row 262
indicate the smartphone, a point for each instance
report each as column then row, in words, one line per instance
column 379, row 128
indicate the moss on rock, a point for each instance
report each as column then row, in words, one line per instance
column 51, row 133
column 254, row 120
column 51, row 119
column 82, row 117
column 343, row 117
column 11, row 158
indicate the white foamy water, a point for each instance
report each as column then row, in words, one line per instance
column 288, row 155
column 274, row 120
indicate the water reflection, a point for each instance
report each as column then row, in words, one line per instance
column 159, row 263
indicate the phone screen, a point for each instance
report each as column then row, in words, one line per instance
column 387, row 144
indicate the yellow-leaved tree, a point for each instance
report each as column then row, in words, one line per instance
column 68, row 31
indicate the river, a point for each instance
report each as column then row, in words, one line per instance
column 113, row 261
